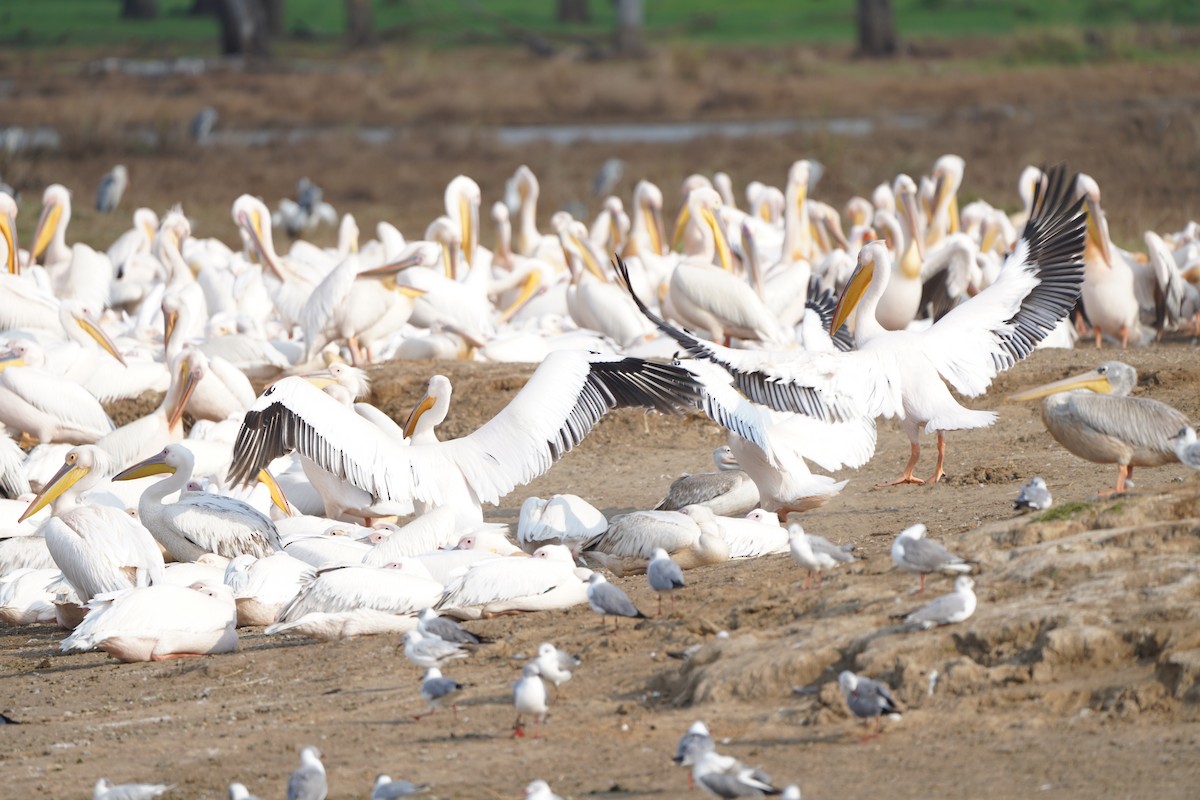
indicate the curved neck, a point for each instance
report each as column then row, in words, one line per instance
column 157, row 492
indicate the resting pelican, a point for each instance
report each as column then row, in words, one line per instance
column 159, row 622
column 565, row 519
column 43, row 405
column 563, row 400
column 690, row 536
column 141, row 438
column 547, row 580
column 261, row 586
column 200, row 522
column 222, row 390
column 50, row 236
column 728, row 491
column 1093, row 416
column 98, row 548
column 901, row 373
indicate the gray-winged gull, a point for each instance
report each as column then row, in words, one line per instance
column 388, row 789
column 435, row 689
column 697, row 740
column 105, row 790
column 868, row 699
column 726, row 777
column 815, row 553
column 1187, row 448
column 430, row 651
column 913, row 552
column 949, row 608
column 610, row 601
column 554, row 665
column 446, row 629
column 238, row 791
column 664, row 575
column 1034, row 496
column 529, row 698
column 307, row 781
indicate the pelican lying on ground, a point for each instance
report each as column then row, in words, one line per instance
column 159, row 622
column 1093, row 416
column 563, row 400
column 728, row 491
column 200, row 522
column 904, row 373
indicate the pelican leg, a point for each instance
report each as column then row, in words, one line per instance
column 1124, row 337
column 1123, row 473
column 356, row 357
column 938, row 474
column 908, row 477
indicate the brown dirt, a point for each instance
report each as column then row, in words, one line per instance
column 1076, row 677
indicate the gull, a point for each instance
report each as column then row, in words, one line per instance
column 954, row 607
column 540, row 790
column 815, row 553
column 238, row 791
column 1033, row 496
column 726, row 777
column 790, row 792
column 868, row 699
column 435, row 689
column 430, row 651
column 529, row 698
column 664, row 575
column 609, row 601
column 105, row 790
column 307, row 782
column 444, row 628
column 913, row 552
column 554, row 665
column 388, row 789
column 697, row 740
column 1186, row 447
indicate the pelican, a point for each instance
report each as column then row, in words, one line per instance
column 565, row 519
column 729, row 491
column 563, row 400
column 1093, row 416
column 403, row 587
column 901, row 373
column 222, row 390
column 200, row 522
column 99, row 549
column 159, row 622
column 112, row 187
column 8, row 232
column 50, row 236
column 690, row 536
column 262, row 586
column 1108, row 296
column 547, row 580
column 44, row 406
column 23, row 596
column 143, row 437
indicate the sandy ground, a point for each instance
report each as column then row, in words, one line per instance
column 1075, row 678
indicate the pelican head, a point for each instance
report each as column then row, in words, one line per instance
column 905, row 189
column 947, row 178
column 463, row 199
column 190, row 372
column 85, row 317
column 253, row 219
column 1097, row 226
column 647, row 203
column 339, row 372
column 56, row 211
column 437, row 395
column 8, row 230
column 173, row 458
column 85, row 461
column 872, row 257
column 701, row 207
column 1111, row 377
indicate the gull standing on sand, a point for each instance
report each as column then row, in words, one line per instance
column 435, row 689
column 430, row 651
column 1034, row 496
column 868, row 699
column 540, row 790
column 388, row 789
column 105, row 790
column 949, row 608
column 554, row 665
column 697, row 740
column 815, row 553
column 307, row 782
column 664, row 575
column 610, row 601
column 444, row 628
column 529, row 698
column 913, row 552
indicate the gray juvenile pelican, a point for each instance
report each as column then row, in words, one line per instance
column 1093, row 416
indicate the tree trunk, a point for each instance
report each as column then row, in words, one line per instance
column 139, row 9
column 574, row 11
column 360, row 23
column 273, row 14
column 876, row 28
column 631, row 22
column 243, row 27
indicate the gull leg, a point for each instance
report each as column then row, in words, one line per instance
column 820, row 577
column 430, row 710
column 922, row 589
column 518, row 728
column 907, row 477
column 1099, row 335
column 938, row 474
column 659, row 614
column 672, row 604
column 454, row 708
column 808, row 581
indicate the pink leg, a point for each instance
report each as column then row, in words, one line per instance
column 938, row 474
column 907, row 477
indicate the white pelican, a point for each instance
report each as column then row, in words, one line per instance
column 50, row 236
column 548, row 580
column 425, row 534
column 403, row 587
column 758, row 533
column 328, row 626
column 99, row 549
column 8, row 233
column 44, row 406
column 1109, row 298
column 690, row 536
column 728, row 491
column 565, row 519
column 563, row 400
column 527, row 241
column 1093, row 416
column 593, row 301
column 261, row 586
column 943, row 208
column 901, row 373
column 222, row 390
column 146, row 435
column 24, row 599
column 199, row 522
column 155, row 623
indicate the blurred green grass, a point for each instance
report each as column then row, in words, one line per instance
column 445, row 23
